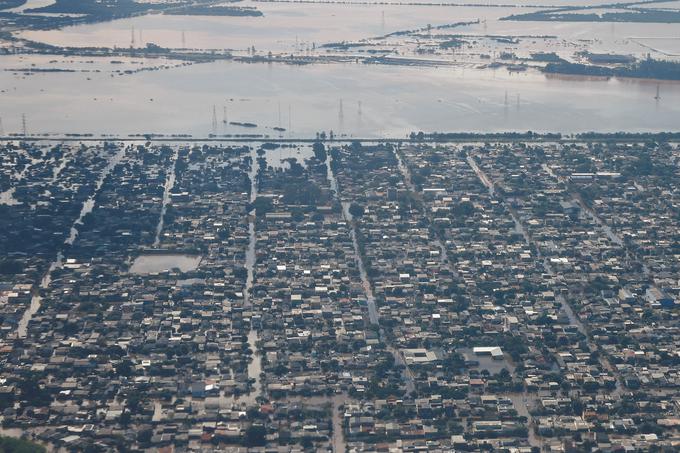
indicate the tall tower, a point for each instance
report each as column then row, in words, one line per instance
column 341, row 118
column 290, row 119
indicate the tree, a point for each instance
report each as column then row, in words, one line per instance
column 262, row 205
column 256, row 436
column 463, row 209
column 32, row 392
column 12, row 445
column 9, row 267
column 144, row 436
column 356, row 210
column 319, row 151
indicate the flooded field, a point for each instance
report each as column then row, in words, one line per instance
column 284, row 26
column 430, row 89
column 159, row 262
column 350, row 99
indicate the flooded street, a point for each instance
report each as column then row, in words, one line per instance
column 339, row 226
column 254, row 368
column 169, row 184
column 255, row 365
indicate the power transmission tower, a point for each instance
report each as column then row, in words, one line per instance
column 214, row 119
column 24, row 129
column 132, row 37
column 290, row 119
column 279, row 123
column 2, row 130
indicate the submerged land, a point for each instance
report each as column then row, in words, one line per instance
column 441, row 44
column 342, row 226
column 516, row 295
column 162, row 69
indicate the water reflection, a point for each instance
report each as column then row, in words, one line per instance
column 394, row 100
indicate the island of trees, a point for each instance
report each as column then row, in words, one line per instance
column 644, row 69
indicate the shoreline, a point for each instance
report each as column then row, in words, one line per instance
column 624, row 137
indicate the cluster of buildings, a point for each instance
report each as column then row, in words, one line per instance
column 297, row 297
column 42, row 191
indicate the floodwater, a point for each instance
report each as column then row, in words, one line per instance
column 395, row 100
column 284, row 26
column 351, row 99
column 7, row 197
column 160, row 262
column 30, row 4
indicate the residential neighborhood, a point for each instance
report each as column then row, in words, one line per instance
column 513, row 296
